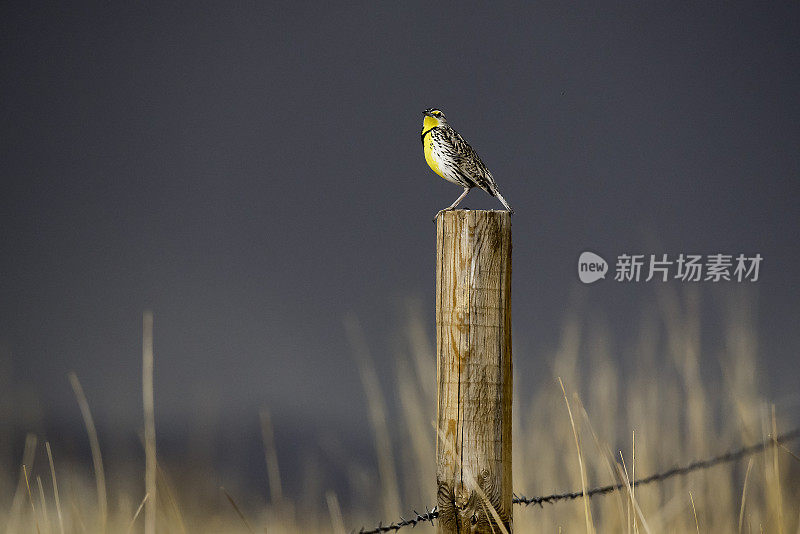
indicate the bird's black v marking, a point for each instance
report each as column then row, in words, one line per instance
column 426, row 132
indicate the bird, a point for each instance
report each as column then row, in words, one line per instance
column 452, row 158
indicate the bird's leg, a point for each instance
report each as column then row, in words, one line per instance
column 459, row 199
column 454, row 204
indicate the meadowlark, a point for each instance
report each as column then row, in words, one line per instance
column 451, row 157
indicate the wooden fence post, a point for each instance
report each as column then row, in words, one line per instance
column 473, row 372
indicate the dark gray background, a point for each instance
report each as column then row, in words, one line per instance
column 253, row 173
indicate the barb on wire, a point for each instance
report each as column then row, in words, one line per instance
column 727, row 457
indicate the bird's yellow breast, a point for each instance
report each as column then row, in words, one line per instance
column 432, row 163
column 427, row 144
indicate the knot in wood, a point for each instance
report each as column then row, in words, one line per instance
column 463, row 496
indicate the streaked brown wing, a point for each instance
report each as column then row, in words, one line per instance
column 470, row 164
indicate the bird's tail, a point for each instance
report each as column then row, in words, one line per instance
column 492, row 190
column 501, row 199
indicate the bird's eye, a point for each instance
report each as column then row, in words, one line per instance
column 437, row 113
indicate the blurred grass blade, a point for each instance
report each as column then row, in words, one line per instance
column 94, row 444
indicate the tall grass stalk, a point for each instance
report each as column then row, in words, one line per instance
column 94, row 444
column 150, row 472
column 377, row 416
column 56, row 497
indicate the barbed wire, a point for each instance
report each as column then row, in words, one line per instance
column 730, row 456
column 427, row 517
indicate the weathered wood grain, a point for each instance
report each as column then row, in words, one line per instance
column 473, row 345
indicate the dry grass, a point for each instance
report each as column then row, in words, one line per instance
column 655, row 390
column 148, row 403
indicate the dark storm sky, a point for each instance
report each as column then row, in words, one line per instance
column 252, row 173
